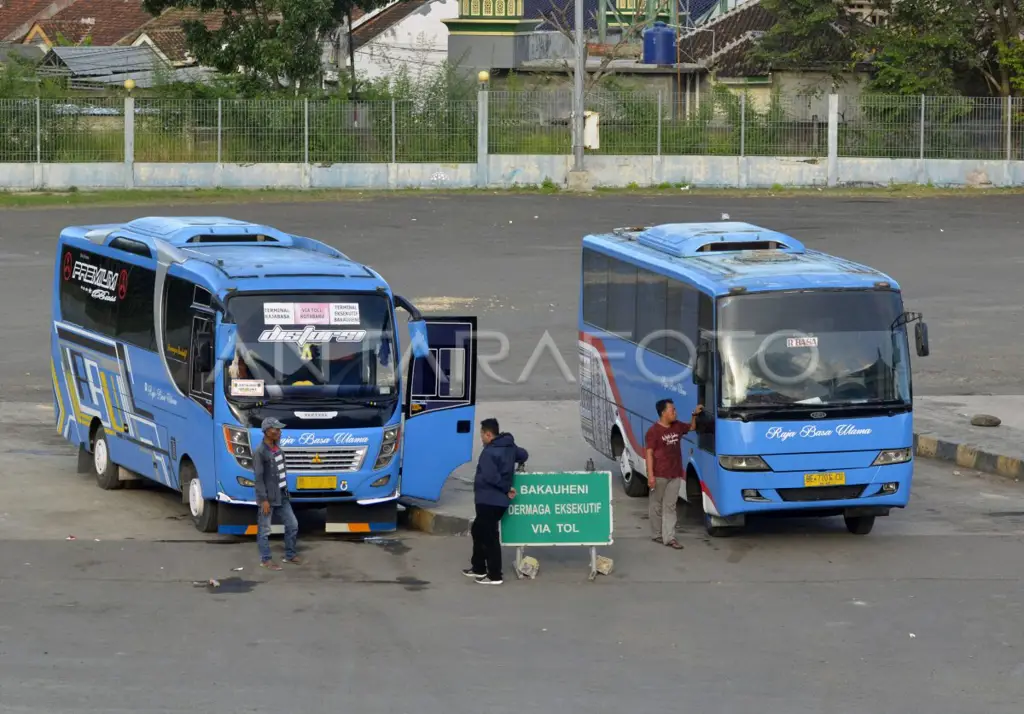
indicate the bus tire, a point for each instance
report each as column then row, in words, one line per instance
column 204, row 512
column 633, row 482
column 859, row 525
column 103, row 467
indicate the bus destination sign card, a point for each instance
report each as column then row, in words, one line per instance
column 565, row 508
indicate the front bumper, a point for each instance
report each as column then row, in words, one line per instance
column 741, row 492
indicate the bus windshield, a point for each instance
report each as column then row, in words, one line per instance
column 313, row 346
column 828, row 347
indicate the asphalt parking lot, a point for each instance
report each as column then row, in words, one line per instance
column 793, row 617
column 514, row 261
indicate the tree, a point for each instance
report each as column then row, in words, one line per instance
column 561, row 17
column 820, row 34
column 943, row 46
column 272, row 42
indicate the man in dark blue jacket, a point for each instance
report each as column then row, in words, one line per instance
column 493, row 491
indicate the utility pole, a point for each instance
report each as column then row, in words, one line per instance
column 577, row 95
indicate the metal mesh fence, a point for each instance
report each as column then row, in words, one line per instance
column 926, row 127
column 177, row 130
column 444, row 131
column 76, row 129
column 263, row 131
column 529, row 122
column 18, row 123
column 720, row 122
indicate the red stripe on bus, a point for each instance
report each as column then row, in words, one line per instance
column 623, row 416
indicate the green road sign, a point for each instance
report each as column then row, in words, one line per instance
column 566, row 508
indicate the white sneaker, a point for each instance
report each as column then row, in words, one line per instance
column 487, row 581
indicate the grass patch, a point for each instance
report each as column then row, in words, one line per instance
column 142, row 197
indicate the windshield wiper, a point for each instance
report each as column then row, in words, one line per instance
column 745, row 412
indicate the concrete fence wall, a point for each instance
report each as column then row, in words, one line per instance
column 506, row 171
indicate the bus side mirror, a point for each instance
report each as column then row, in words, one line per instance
column 418, row 335
column 227, row 334
column 700, row 366
column 921, row 339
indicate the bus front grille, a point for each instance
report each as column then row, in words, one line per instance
column 821, row 493
column 324, row 460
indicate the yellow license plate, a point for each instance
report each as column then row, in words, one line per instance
column 834, row 478
column 318, row 483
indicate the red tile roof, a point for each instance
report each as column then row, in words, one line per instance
column 384, row 20
column 104, row 21
column 726, row 43
column 167, row 34
column 17, row 16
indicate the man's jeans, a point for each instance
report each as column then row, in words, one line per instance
column 291, row 529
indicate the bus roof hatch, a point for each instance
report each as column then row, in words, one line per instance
column 687, row 240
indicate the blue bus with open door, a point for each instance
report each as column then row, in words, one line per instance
column 173, row 338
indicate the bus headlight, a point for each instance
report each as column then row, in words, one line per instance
column 246, row 482
column 237, row 442
column 892, row 456
column 388, row 447
column 743, row 463
column 382, row 481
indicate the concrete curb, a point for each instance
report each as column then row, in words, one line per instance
column 426, row 519
column 967, row 456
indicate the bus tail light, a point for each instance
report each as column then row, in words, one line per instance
column 743, row 463
column 892, row 456
column 388, row 447
column 237, row 442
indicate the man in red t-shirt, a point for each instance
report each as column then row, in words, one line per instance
column 665, row 469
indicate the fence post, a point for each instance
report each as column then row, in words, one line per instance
column 1009, row 128
column 833, row 139
column 743, row 124
column 921, row 145
column 482, row 179
column 39, row 132
column 305, row 131
column 129, row 142
column 220, row 125
column 394, row 133
column 659, row 122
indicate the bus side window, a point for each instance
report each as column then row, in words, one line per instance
column 135, row 319
column 682, row 317
column 622, row 300
column 595, row 289
column 78, row 303
column 178, row 296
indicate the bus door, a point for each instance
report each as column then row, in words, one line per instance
column 440, row 407
column 189, row 351
column 707, row 393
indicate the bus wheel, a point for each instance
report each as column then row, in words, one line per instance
column 203, row 511
column 102, row 466
column 633, row 481
column 859, row 525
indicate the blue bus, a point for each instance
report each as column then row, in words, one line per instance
column 801, row 359
column 173, row 338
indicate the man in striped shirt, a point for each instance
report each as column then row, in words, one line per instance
column 272, row 496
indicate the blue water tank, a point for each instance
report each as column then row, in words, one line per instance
column 659, row 44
